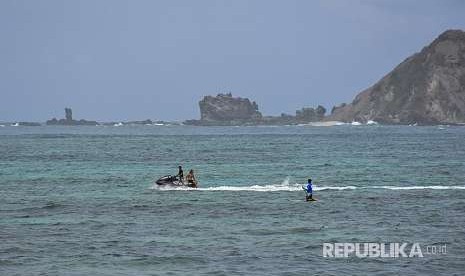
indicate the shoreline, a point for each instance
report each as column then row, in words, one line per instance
column 225, row 124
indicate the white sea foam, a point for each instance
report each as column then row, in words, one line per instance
column 286, row 181
column 327, row 123
column 254, row 188
column 286, row 187
column 420, row 187
column 271, row 188
column 339, row 188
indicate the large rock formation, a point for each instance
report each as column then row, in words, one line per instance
column 68, row 121
column 224, row 109
column 426, row 88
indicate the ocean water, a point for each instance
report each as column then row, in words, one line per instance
column 82, row 200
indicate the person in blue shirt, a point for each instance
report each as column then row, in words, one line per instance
column 309, row 190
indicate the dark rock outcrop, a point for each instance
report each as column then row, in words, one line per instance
column 68, row 121
column 68, row 114
column 224, row 109
column 426, row 88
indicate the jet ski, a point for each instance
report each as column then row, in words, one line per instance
column 169, row 180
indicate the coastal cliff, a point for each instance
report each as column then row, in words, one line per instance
column 426, row 88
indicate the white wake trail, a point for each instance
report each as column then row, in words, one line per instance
column 286, row 187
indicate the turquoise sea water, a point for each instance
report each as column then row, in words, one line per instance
column 81, row 200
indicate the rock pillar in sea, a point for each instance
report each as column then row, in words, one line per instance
column 68, row 114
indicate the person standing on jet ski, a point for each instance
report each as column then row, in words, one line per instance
column 180, row 175
column 309, row 190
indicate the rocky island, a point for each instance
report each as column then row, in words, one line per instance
column 426, row 88
column 69, row 121
column 226, row 110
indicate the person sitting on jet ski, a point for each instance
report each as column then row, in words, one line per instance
column 180, row 174
column 309, row 190
column 191, row 181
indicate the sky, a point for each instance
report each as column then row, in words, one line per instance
column 114, row 60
